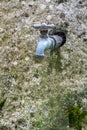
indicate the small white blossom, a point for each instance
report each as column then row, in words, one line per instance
column 14, row 63
column 26, row 58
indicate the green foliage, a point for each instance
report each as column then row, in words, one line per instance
column 2, row 102
column 55, row 61
column 57, row 117
column 74, row 110
column 76, row 116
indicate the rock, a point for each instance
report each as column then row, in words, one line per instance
column 42, row 6
column 51, row 7
column 47, row 1
column 23, row 3
column 60, row 7
column 1, row 30
column 49, row 18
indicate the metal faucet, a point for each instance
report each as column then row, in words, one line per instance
column 47, row 41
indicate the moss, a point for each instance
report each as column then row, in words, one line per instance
column 55, row 61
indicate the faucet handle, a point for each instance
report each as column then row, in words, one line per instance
column 43, row 26
column 37, row 25
column 51, row 26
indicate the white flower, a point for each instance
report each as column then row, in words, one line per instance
column 26, row 58
column 14, row 63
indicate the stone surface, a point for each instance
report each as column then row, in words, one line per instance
column 29, row 87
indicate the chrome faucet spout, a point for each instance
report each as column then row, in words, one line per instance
column 44, row 44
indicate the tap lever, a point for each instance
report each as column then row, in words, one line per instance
column 43, row 26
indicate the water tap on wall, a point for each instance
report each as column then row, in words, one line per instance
column 46, row 41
